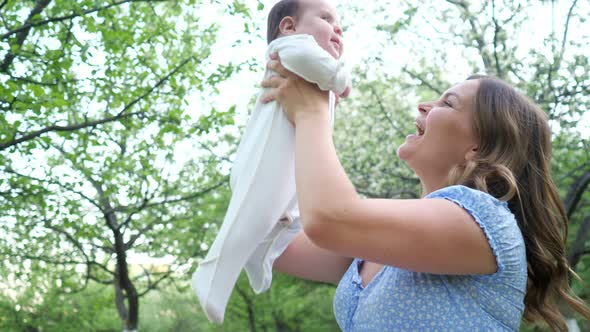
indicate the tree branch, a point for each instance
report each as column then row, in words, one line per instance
column 572, row 171
column 45, row 259
column 104, row 248
column 57, row 183
column 574, row 194
column 157, row 85
column 175, row 200
column 129, row 244
column 94, row 123
column 152, row 286
column 249, row 308
column 22, row 35
column 31, row 81
column 477, row 33
column 100, row 281
column 137, row 209
column 206, row 147
column 497, row 29
column 68, row 236
column 422, row 80
column 461, row 4
column 139, row 233
column 149, row 226
column 578, row 247
column 384, row 112
column 53, row 261
column 29, row 25
column 66, row 128
column 556, row 65
column 565, row 32
column 89, row 263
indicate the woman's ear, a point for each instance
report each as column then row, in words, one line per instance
column 287, row 25
column 472, row 153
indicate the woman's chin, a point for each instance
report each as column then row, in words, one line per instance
column 405, row 150
column 402, row 152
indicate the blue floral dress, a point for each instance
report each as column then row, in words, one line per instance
column 403, row 300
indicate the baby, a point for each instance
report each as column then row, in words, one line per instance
column 262, row 217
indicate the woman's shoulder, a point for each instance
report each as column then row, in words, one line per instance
column 498, row 224
column 487, row 210
column 471, row 198
column 460, row 190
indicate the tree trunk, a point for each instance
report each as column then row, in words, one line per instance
column 126, row 297
column 249, row 308
column 575, row 192
column 126, row 289
column 578, row 248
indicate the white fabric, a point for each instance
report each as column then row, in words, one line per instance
column 262, row 216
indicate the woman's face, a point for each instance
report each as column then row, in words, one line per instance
column 445, row 135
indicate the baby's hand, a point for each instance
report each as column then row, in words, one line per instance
column 346, row 92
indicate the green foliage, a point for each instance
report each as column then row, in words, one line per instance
column 289, row 305
column 172, row 309
column 94, row 114
column 43, row 306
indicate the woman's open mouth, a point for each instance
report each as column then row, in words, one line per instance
column 419, row 129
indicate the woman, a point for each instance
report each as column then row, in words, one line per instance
column 482, row 248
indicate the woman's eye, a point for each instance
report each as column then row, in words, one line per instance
column 326, row 18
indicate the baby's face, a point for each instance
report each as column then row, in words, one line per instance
column 319, row 19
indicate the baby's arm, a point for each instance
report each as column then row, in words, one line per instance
column 303, row 56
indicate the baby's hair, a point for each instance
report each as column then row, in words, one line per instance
column 280, row 10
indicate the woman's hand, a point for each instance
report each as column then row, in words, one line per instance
column 298, row 97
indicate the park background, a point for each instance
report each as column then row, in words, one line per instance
column 119, row 121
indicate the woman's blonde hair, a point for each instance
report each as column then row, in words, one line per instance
column 513, row 165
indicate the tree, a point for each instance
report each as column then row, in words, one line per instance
column 94, row 104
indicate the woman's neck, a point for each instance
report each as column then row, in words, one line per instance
column 431, row 186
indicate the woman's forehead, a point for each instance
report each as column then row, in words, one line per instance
column 465, row 89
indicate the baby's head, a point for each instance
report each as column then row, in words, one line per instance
column 317, row 18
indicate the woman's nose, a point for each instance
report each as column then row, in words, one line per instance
column 424, row 108
column 338, row 29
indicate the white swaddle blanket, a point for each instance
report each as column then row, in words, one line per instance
column 262, row 216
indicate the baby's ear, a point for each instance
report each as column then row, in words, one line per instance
column 287, row 25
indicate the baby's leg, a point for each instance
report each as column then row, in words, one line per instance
column 260, row 196
column 259, row 265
